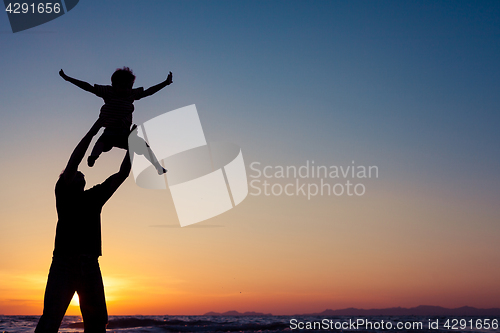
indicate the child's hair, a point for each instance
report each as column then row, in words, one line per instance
column 123, row 78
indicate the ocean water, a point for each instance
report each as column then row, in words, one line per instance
column 212, row 324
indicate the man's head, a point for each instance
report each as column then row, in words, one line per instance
column 123, row 78
column 78, row 183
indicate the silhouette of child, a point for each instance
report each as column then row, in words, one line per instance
column 116, row 113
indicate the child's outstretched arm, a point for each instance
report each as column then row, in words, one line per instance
column 159, row 86
column 81, row 84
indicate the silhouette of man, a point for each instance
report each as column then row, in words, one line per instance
column 75, row 265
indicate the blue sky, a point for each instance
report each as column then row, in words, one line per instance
column 414, row 76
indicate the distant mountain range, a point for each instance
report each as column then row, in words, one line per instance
column 422, row 310
column 236, row 313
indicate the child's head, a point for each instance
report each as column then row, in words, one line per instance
column 123, row 78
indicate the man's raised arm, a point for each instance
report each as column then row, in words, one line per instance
column 79, row 152
column 118, row 178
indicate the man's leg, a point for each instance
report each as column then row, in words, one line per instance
column 91, row 294
column 58, row 294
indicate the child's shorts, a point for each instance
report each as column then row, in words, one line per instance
column 114, row 137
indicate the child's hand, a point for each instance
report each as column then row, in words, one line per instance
column 64, row 76
column 169, row 78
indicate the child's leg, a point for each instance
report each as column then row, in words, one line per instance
column 96, row 152
column 98, row 149
column 104, row 144
column 141, row 147
column 138, row 145
column 151, row 157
